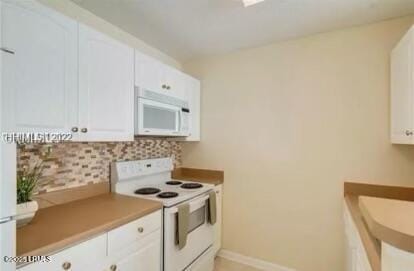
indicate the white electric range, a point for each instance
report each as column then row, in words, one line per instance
column 151, row 179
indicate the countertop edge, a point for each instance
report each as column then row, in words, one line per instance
column 72, row 239
column 388, row 235
column 369, row 235
column 86, row 235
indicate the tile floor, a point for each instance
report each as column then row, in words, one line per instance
column 222, row 264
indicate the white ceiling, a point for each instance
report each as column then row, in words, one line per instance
column 186, row 29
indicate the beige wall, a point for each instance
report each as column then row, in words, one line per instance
column 76, row 12
column 289, row 123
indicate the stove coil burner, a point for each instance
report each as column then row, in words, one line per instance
column 173, row 182
column 191, row 185
column 147, row 191
column 166, row 195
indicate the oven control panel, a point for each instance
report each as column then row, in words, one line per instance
column 130, row 169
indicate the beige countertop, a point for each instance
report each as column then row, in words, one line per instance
column 215, row 177
column 365, row 201
column 390, row 220
column 57, row 227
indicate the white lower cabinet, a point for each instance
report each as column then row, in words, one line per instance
column 135, row 250
column 146, row 258
column 218, row 225
column 87, row 254
column 133, row 233
column 136, row 246
column 356, row 257
column 394, row 259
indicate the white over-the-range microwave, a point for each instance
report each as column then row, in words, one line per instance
column 157, row 114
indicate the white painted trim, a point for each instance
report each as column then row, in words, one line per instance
column 253, row 262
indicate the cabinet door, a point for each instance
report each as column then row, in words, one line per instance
column 7, row 245
column 7, row 180
column 193, row 92
column 395, row 259
column 218, row 225
column 402, row 75
column 88, row 255
column 351, row 255
column 106, row 88
column 148, row 258
column 175, row 81
column 148, row 73
column 39, row 82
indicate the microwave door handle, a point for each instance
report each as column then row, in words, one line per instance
column 180, row 120
column 178, row 125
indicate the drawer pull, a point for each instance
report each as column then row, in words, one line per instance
column 113, row 267
column 140, row 229
column 66, row 265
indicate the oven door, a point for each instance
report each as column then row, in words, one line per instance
column 155, row 118
column 200, row 235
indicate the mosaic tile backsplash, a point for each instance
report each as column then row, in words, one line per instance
column 75, row 164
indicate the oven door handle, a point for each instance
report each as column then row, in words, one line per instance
column 194, row 204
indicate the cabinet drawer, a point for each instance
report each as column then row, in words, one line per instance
column 132, row 232
column 87, row 254
column 144, row 255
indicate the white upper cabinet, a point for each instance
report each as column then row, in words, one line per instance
column 148, row 73
column 151, row 74
column 39, row 79
column 106, row 88
column 175, row 81
column 402, row 90
column 62, row 77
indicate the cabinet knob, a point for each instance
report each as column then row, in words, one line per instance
column 408, row 133
column 140, row 229
column 75, row 129
column 168, row 87
column 164, row 86
column 84, row 130
column 113, row 267
column 66, row 265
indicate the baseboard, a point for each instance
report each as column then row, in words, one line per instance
column 253, row 262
